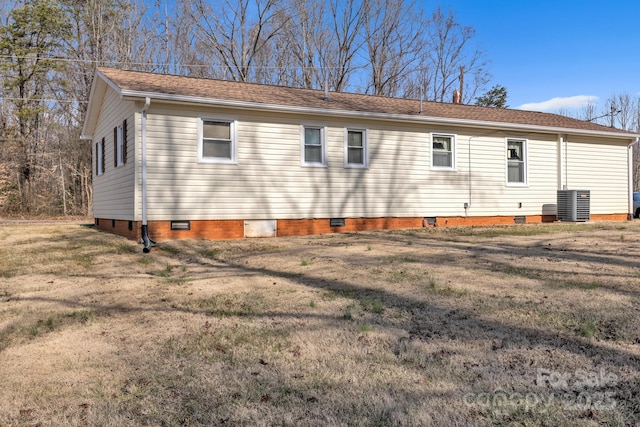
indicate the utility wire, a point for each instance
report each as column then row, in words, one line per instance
column 6, row 98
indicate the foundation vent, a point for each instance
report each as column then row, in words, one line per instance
column 429, row 221
column 336, row 222
column 181, row 225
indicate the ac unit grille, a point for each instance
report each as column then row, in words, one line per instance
column 574, row 205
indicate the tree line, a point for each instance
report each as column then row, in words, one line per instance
column 49, row 50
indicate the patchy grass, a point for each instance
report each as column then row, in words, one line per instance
column 517, row 325
column 50, row 322
column 230, row 304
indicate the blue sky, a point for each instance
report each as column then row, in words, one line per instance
column 541, row 50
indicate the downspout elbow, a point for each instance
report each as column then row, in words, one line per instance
column 146, row 241
column 147, row 102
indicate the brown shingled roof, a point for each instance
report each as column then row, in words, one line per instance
column 148, row 83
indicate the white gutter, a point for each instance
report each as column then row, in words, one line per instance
column 134, row 95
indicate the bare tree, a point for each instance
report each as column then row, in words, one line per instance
column 392, row 41
column 625, row 109
column 342, row 44
column 300, row 43
column 234, row 33
column 448, row 49
column 588, row 112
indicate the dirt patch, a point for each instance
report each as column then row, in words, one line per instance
column 529, row 325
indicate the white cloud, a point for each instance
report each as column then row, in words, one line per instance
column 555, row 104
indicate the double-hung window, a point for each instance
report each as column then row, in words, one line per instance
column 118, row 146
column 217, row 141
column 100, row 157
column 313, row 146
column 443, row 151
column 516, row 161
column 356, row 148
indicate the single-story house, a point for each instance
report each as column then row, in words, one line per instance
column 182, row 157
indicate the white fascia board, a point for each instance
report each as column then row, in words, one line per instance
column 89, row 119
column 111, row 84
column 96, row 96
column 181, row 99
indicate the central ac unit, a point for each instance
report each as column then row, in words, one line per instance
column 573, row 205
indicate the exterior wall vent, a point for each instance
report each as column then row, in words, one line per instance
column 430, row 221
column 130, row 226
column 574, row 205
column 521, row 219
column 336, row 222
column 260, row 228
column 113, row 223
column 181, row 225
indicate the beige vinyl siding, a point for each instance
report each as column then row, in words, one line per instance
column 114, row 189
column 268, row 180
column 603, row 170
column 481, row 178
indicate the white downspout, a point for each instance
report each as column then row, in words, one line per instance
column 630, row 175
column 467, row 205
column 143, row 142
column 560, row 162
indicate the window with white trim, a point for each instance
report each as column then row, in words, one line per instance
column 443, row 151
column 100, row 157
column 516, row 161
column 217, row 141
column 313, row 146
column 119, row 146
column 356, row 148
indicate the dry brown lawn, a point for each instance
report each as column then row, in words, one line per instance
column 523, row 325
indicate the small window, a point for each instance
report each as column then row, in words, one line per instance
column 516, row 161
column 118, row 146
column 313, row 146
column 217, row 141
column 124, row 142
column 356, row 148
column 443, row 151
column 100, row 157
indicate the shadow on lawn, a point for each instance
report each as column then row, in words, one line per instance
column 428, row 320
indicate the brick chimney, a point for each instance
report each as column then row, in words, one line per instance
column 456, row 97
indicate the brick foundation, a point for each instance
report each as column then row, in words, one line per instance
column 209, row 229
column 120, row 227
column 305, row 227
column 610, row 217
column 234, row 229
